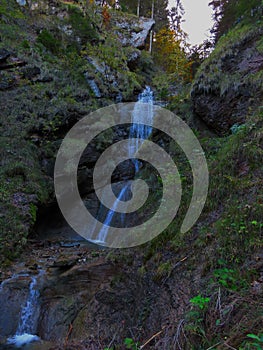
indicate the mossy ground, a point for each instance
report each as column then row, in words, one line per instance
column 225, row 245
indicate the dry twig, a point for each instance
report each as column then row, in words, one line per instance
column 68, row 334
column 152, row 337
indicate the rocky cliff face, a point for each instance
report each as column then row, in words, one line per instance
column 58, row 62
column 229, row 83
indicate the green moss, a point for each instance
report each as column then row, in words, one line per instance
column 212, row 76
column 83, row 26
column 49, row 41
column 163, row 271
column 259, row 45
column 21, row 185
column 10, row 10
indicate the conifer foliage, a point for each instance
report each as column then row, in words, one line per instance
column 227, row 13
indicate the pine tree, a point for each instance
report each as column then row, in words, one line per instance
column 227, row 13
column 176, row 19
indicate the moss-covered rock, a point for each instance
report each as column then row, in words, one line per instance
column 229, row 82
column 50, row 52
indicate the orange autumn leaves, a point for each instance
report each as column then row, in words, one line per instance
column 171, row 56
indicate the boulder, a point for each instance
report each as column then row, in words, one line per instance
column 139, row 39
column 133, row 32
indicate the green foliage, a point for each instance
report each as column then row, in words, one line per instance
column 226, row 277
column 163, row 270
column 233, row 185
column 21, row 183
column 200, row 302
column 213, row 77
column 9, row 10
column 255, row 342
column 111, row 58
column 83, row 26
column 131, row 344
column 145, row 65
column 33, row 212
column 195, row 319
column 49, row 41
column 228, row 13
column 169, row 55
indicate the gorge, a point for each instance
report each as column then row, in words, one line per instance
column 61, row 61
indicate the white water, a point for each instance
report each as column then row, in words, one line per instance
column 21, row 2
column 138, row 133
column 94, row 87
column 104, row 231
column 28, row 318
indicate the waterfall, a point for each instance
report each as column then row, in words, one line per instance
column 104, row 231
column 94, row 87
column 21, row 2
column 28, row 317
column 138, row 133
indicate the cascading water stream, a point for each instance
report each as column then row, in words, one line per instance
column 104, row 231
column 28, row 317
column 138, row 133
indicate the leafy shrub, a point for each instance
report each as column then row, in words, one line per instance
column 82, row 26
column 200, row 302
column 49, row 41
column 255, row 342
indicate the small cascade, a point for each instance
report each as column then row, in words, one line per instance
column 28, row 317
column 104, row 231
column 21, row 2
column 138, row 133
column 94, row 87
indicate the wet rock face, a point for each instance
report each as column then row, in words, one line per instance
column 228, row 84
column 90, row 296
column 13, row 294
column 134, row 33
column 221, row 112
column 66, row 293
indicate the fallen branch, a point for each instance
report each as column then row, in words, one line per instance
column 175, row 265
column 177, row 336
column 68, row 334
column 229, row 346
column 212, row 347
column 12, row 65
column 152, row 337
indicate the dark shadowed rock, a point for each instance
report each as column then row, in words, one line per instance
column 30, row 72
column 4, row 54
